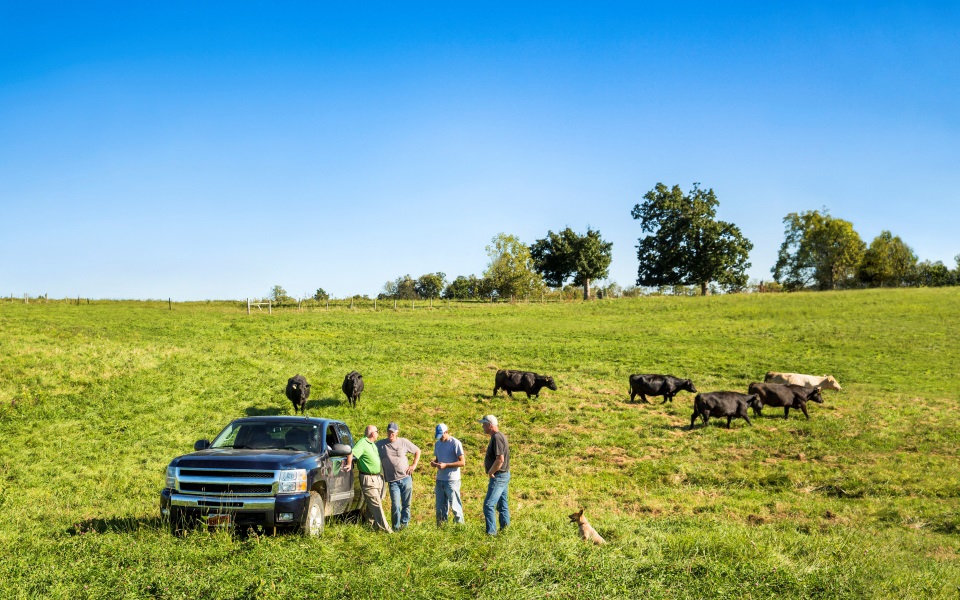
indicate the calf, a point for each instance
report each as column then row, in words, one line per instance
column 827, row 382
column 658, row 385
column 352, row 387
column 786, row 395
column 522, row 381
column 724, row 404
column 298, row 390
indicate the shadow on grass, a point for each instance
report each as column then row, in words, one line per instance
column 259, row 411
column 115, row 525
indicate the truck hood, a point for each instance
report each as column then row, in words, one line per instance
column 229, row 458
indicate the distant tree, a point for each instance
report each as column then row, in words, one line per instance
column 563, row 255
column 511, row 272
column 688, row 246
column 320, row 294
column 403, row 288
column 466, row 288
column 279, row 295
column 932, row 274
column 887, row 262
column 818, row 250
column 430, row 285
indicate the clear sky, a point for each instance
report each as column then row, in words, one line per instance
column 205, row 150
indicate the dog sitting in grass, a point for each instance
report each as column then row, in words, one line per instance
column 587, row 532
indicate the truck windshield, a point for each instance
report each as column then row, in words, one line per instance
column 263, row 435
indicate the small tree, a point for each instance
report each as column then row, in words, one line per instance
column 320, row 294
column 687, row 245
column 888, row 261
column 818, row 250
column 511, row 272
column 560, row 256
column 279, row 295
column 464, row 288
column 431, row 285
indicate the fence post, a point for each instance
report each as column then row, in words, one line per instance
column 394, row 304
column 327, row 305
column 270, row 307
column 248, row 306
column 170, row 303
column 374, row 305
column 351, row 303
column 25, row 299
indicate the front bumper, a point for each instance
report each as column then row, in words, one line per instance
column 265, row 511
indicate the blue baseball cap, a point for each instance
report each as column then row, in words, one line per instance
column 441, row 429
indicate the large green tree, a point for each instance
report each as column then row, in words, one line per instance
column 818, row 250
column 510, row 272
column 887, row 262
column 566, row 254
column 431, row 285
column 687, row 245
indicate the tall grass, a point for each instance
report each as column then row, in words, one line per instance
column 859, row 501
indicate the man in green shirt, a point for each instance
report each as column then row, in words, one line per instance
column 371, row 481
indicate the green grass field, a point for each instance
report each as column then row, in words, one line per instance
column 862, row 500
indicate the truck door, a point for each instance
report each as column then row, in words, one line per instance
column 341, row 489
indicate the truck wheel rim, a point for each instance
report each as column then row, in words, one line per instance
column 314, row 518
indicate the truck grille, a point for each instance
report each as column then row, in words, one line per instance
column 225, row 488
column 227, row 482
column 227, row 474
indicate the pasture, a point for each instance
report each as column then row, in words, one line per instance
column 862, row 500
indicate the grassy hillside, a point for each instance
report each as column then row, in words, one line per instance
column 859, row 501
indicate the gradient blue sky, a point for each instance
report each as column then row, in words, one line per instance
column 213, row 150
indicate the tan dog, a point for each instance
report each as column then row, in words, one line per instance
column 587, row 532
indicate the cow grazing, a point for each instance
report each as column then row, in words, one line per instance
column 732, row 405
column 522, row 381
column 658, row 385
column 786, row 395
column 298, row 390
column 352, row 387
column 827, row 382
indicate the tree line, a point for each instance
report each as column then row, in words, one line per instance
column 686, row 246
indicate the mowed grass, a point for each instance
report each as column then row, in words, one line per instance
column 859, row 501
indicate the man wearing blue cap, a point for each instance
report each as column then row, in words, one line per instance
column 447, row 460
column 398, row 473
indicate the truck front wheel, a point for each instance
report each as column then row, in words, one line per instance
column 179, row 521
column 313, row 517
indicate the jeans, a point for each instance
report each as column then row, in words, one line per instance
column 448, row 497
column 401, row 491
column 496, row 501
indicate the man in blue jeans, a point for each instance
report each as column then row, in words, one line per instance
column 398, row 473
column 497, row 465
column 447, row 460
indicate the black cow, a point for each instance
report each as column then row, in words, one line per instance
column 732, row 405
column 658, row 385
column 522, row 381
column 786, row 395
column 352, row 387
column 298, row 390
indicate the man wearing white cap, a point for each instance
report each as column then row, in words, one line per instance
column 497, row 465
column 447, row 460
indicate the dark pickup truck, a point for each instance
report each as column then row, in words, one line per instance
column 265, row 473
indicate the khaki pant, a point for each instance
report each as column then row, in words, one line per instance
column 372, row 487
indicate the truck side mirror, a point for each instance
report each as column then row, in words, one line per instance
column 340, row 450
column 201, row 444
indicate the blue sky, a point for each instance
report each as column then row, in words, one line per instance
column 213, row 150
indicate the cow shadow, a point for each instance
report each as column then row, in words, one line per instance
column 324, row 403
column 114, row 525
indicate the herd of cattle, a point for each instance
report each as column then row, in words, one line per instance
column 781, row 390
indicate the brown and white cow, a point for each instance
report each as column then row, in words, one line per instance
column 827, row 382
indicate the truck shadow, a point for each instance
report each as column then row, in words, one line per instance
column 114, row 525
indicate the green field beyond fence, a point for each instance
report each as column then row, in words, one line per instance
column 862, row 500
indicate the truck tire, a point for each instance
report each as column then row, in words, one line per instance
column 313, row 517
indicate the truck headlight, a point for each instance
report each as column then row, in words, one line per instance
column 171, row 478
column 292, row 481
